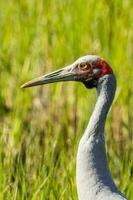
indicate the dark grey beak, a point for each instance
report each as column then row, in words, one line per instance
column 64, row 74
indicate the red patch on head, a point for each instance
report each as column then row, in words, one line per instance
column 105, row 68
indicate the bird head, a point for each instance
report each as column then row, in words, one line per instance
column 87, row 69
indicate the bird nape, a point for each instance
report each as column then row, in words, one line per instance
column 93, row 177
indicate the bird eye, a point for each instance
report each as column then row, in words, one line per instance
column 84, row 66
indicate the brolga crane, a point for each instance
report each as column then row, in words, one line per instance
column 93, row 177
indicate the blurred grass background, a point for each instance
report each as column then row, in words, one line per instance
column 40, row 127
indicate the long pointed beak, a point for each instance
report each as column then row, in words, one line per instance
column 64, row 74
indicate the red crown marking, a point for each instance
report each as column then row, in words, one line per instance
column 105, row 68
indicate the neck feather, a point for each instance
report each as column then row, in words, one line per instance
column 92, row 172
column 105, row 95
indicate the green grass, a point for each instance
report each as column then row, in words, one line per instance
column 40, row 127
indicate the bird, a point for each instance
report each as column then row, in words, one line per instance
column 93, row 176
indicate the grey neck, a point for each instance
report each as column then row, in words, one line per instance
column 94, row 181
column 105, row 94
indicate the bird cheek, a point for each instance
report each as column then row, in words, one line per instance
column 86, row 75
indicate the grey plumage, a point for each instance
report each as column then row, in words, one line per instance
column 94, row 181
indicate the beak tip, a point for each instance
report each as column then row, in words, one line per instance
column 29, row 84
column 23, row 86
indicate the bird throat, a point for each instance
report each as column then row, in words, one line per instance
column 90, row 84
